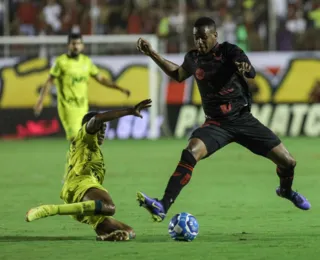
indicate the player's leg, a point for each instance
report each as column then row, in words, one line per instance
column 203, row 142
column 285, row 166
column 285, row 170
column 108, row 228
column 72, row 193
column 94, row 208
column 194, row 152
column 262, row 141
column 85, row 208
column 71, row 120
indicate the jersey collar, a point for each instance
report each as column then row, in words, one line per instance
column 75, row 58
column 213, row 50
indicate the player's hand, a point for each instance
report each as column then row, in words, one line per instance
column 142, row 105
column 127, row 92
column 243, row 67
column 37, row 109
column 144, row 46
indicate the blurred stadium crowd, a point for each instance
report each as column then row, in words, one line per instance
column 245, row 22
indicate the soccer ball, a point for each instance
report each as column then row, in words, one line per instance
column 183, row 227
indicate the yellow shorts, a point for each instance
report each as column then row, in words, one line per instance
column 73, row 191
column 71, row 120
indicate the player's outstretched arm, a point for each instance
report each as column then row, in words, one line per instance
column 110, row 84
column 173, row 70
column 94, row 124
column 44, row 91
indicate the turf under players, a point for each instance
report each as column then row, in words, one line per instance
column 71, row 72
column 86, row 199
column 220, row 71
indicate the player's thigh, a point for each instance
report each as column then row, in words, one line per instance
column 76, row 187
column 212, row 136
column 255, row 136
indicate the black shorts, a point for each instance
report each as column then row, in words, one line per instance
column 245, row 130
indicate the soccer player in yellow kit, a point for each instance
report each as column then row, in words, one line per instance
column 86, row 199
column 70, row 73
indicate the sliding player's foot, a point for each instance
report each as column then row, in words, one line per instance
column 41, row 212
column 118, row 235
column 154, row 206
column 296, row 198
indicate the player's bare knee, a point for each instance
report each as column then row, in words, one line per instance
column 193, row 153
column 289, row 162
column 197, row 149
column 108, row 209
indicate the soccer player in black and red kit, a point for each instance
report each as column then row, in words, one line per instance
column 220, row 71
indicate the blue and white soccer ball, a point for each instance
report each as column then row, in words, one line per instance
column 183, row 227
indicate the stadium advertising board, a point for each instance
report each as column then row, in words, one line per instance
column 282, row 95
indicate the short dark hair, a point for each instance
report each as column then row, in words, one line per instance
column 88, row 116
column 205, row 21
column 74, row 36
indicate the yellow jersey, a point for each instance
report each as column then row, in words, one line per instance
column 71, row 78
column 85, row 157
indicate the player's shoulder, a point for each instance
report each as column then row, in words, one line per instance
column 228, row 46
column 61, row 59
column 85, row 58
column 192, row 53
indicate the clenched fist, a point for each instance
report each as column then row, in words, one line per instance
column 144, row 46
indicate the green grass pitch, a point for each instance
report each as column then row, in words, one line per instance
column 232, row 194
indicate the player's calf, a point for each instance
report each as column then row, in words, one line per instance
column 286, row 175
column 179, row 178
column 285, row 170
column 285, row 167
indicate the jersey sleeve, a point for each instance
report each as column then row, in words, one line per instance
column 93, row 69
column 236, row 54
column 55, row 70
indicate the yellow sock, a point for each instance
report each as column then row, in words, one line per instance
column 80, row 208
column 86, row 208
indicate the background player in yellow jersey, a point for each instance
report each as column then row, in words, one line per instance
column 86, row 199
column 70, row 73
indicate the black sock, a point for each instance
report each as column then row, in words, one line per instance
column 286, row 179
column 179, row 179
